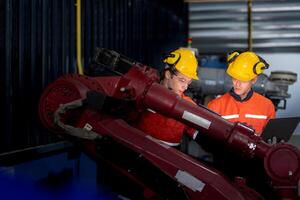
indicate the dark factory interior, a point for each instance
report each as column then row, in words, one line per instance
column 149, row 99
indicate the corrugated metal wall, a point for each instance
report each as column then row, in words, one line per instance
column 37, row 45
column 220, row 27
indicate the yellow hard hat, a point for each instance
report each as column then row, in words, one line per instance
column 184, row 61
column 245, row 66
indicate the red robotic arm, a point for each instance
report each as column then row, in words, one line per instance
column 139, row 88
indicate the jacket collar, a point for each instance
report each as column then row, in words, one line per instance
column 238, row 98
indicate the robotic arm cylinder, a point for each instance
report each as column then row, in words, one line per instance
column 281, row 161
column 237, row 135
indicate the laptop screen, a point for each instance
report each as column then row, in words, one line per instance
column 281, row 128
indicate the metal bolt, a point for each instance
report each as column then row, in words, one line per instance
column 122, row 89
column 252, row 146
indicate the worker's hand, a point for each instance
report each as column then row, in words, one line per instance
column 274, row 140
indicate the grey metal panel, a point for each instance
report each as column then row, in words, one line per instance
column 217, row 27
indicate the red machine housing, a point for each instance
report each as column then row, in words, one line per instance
column 139, row 89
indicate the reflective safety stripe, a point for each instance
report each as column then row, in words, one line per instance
column 195, row 134
column 256, row 116
column 169, row 143
column 231, row 116
column 151, row 110
column 162, row 142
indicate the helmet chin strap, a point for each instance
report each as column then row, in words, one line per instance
column 169, row 86
column 165, row 81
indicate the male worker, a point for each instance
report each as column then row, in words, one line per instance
column 180, row 70
column 244, row 105
column 241, row 103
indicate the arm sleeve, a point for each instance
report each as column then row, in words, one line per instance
column 213, row 105
column 192, row 133
column 272, row 111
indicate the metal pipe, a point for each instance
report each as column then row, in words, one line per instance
column 78, row 37
column 250, row 25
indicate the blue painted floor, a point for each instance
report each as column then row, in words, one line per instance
column 54, row 177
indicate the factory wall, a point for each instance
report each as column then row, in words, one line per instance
column 287, row 62
column 218, row 27
column 38, row 44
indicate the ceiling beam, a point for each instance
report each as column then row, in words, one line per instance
column 215, row 1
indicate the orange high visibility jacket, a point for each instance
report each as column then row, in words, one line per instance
column 165, row 129
column 254, row 112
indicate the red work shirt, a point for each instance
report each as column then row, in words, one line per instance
column 167, row 130
column 255, row 112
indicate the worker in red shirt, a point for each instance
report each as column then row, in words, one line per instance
column 241, row 103
column 180, row 70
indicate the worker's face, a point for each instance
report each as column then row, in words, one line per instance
column 242, row 88
column 177, row 83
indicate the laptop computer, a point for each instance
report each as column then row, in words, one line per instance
column 281, row 128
